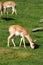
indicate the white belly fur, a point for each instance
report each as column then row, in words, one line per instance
column 18, row 33
column 9, row 6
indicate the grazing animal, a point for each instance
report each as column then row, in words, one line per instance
column 16, row 30
column 9, row 4
column 1, row 5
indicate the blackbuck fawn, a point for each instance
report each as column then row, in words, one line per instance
column 9, row 4
column 16, row 30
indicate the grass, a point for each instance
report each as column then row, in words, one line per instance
column 29, row 13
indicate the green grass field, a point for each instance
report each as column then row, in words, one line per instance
column 29, row 13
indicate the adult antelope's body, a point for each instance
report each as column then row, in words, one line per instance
column 19, row 30
column 9, row 4
column 1, row 5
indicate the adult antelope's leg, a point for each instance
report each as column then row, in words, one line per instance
column 14, row 10
column 9, row 39
column 1, row 12
column 13, row 42
column 5, row 9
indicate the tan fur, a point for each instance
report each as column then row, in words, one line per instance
column 9, row 4
column 19, row 30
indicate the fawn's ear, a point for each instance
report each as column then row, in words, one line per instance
column 34, row 41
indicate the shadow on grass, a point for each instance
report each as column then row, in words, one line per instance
column 7, row 18
column 37, row 46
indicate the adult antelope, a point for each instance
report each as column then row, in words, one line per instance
column 16, row 30
column 1, row 5
column 9, row 4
